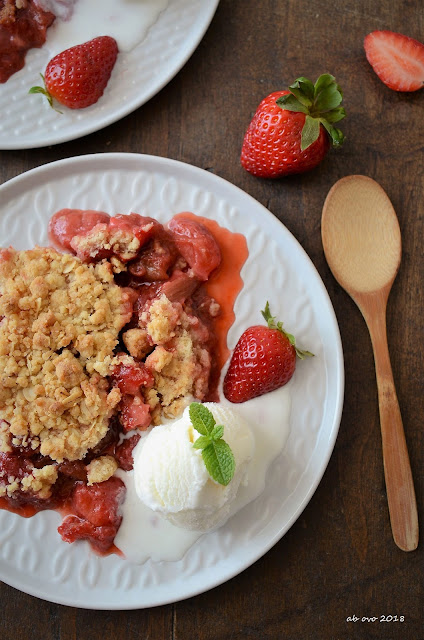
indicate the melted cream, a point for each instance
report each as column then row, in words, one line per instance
column 145, row 534
column 128, row 21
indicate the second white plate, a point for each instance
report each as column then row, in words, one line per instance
column 27, row 121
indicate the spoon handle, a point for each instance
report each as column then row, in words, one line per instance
column 397, row 469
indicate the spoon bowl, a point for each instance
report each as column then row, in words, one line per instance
column 362, row 245
column 361, row 235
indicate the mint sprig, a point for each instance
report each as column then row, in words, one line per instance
column 216, row 453
column 320, row 102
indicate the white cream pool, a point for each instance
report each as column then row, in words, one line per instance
column 146, row 534
column 128, row 21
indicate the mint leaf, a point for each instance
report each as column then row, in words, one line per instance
column 216, row 453
column 202, row 442
column 217, row 432
column 201, row 418
column 219, row 461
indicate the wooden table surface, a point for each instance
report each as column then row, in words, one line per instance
column 338, row 563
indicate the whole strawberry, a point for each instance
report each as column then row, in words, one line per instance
column 78, row 76
column 292, row 131
column 264, row 359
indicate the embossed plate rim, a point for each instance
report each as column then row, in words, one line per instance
column 172, row 173
column 78, row 123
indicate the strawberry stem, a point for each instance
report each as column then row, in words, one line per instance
column 43, row 90
column 320, row 102
column 270, row 320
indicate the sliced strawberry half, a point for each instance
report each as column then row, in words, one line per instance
column 397, row 59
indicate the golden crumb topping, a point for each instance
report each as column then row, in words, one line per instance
column 122, row 242
column 39, row 481
column 101, row 469
column 179, row 363
column 137, row 342
column 164, row 317
column 59, row 327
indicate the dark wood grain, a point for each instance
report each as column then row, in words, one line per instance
column 339, row 559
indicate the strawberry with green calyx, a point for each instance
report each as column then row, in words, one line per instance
column 263, row 360
column 77, row 77
column 292, row 131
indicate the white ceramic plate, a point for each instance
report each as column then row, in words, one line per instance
column 32, row 556
column 27, row 121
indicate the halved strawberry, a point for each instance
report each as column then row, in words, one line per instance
column 397, row 59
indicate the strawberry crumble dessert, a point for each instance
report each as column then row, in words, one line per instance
column 102, row 337
column 23, row 25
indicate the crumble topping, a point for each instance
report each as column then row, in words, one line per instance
column 163, row 317
column 137, row 342
column 39, row 481
column 60, row 325
column 8, row 10
column 101, row 469
column 120, row 241
column 179, row 362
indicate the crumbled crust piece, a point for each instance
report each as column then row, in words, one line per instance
column 40, row 481
column 137, row 342
column 179, row 362
column 8, row 11
column 117, row 265
column 159, row 359
column 121, row 242
column 175, row 370
column 60, row 325
column 164, row 317
column 101, row 469
column 151, row 397
column 4, row 437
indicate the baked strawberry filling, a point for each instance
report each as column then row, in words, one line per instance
column 96, row 515
column 22, row 26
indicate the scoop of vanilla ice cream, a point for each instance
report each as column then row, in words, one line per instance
column 171, row 478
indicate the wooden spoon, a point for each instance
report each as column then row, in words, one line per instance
column 362, row 244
